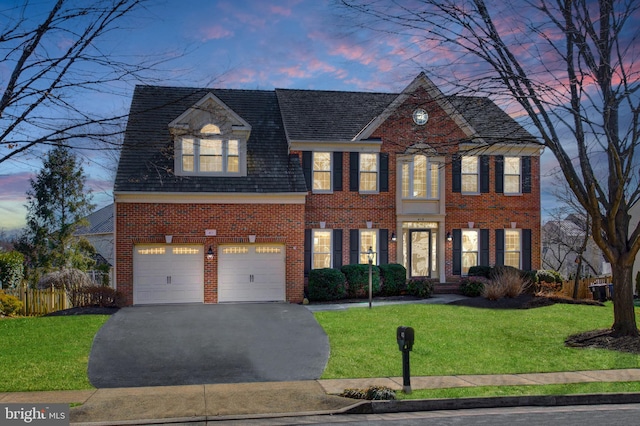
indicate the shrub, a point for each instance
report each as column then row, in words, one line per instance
column 358, row 280
column 480, row 271
column 506, row 282
column 9, row 305
column 11, row 269
column 548, row 276
column 421, row 287
column 472, row 286
column 96, row 295
column 326, row 284
column 394, row 279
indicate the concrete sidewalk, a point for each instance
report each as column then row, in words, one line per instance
column 201, row 403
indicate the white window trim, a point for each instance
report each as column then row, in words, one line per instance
column 411, row 163
column 463, row 251
column 360, row 171
column 476, row 174
column 519, row 251
column 313, row 173
column 313, row 246
column 242, row 156
column 364, row 250
column 504, row 177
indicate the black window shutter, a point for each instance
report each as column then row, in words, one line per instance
column 526, row 175
column 457, row 252
column 337, row 171
column 306, row 168
column 383, row 235
column 384, row 172
column 337, row 248
column 354, row 168
column 456, row 170
column 484, row 173
column 499, row 247
column 526, row 249
column 307, row 252
column 354, row 246
column 499, row 174
column 484, row 247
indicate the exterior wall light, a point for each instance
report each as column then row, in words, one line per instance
column 393, row 237
column 210, row 254
column 449, row 237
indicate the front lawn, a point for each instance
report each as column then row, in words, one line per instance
column 46, row 353
column 453, row 340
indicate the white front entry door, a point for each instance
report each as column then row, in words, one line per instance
column 168, row 273
column 251, row 273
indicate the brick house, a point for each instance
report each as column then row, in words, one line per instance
column 234, row 195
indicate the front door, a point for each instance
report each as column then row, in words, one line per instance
column 420, row 253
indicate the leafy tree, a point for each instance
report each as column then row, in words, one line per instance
column 57, row 204
column 570, row 67
column 11, row 269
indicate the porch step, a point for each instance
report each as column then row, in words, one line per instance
column 447, row 288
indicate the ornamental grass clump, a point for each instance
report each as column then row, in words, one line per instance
column 507, row 282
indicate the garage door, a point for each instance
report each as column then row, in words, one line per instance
column 251, row 273
column 168, row 273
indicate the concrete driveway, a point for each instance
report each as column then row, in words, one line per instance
column 197, row 344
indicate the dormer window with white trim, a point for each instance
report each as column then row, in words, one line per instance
column 209, row 153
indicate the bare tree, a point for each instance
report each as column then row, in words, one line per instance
column 53, row 60
column 571, row 66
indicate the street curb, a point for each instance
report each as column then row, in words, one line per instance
column 400, row 406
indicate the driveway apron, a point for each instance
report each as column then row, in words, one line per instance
column 195, row 344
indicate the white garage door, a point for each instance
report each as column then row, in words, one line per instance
column 168, row 273
column 251, row 273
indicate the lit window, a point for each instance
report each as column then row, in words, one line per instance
column 321, row 249
column 321, row 171
column 470, row 174
column 204, row 155
column 420, row 178
column 512, row 247
column 512, row 175
column 368, row 238
column 469, row 249
column 368, row 172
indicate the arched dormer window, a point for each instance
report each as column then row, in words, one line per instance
column 210, row 152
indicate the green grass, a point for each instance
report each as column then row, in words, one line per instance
column 454, row 340
column 486, row 391
column 46, row 353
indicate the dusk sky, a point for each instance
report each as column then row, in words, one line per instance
column 245, row 44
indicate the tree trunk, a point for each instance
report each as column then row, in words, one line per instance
column 624, row 316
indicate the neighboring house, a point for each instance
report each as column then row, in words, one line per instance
column 561, row 243
column 235, row 195
column 99, row 232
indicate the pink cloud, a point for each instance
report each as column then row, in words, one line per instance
column 279, row 10
column 215, row 32
column 14, row 186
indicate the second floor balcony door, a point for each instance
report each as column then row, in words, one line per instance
column 420, row 253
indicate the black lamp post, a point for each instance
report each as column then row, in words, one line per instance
column 370, row 257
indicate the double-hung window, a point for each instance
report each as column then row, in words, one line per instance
column 368, row 171
column 206, row 155
column 368, row 239
column 420, row 178
column 470, row 174
column 321, row 171
column 512, row 175
column 321, row 248
column 512, row 247
column 470, row 249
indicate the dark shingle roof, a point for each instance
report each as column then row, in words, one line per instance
column 329, row 116
column 146, row 162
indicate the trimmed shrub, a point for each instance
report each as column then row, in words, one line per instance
column 548, row 276
column 421, row 287
column 9, row 305
column 358, row 280
column 394, row 279
column 472, row 286
column 11, row 269
column 326, row 284
column 480, row 271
